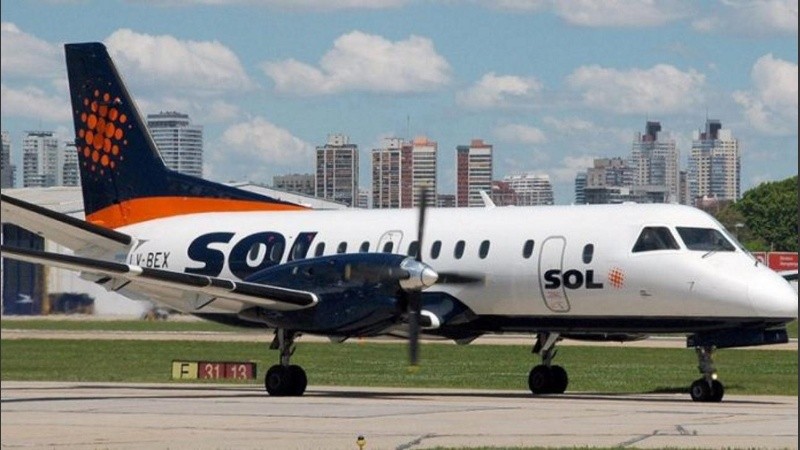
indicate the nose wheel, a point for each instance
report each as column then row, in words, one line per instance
column 708, row 388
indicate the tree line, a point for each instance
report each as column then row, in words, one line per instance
column 766, row 217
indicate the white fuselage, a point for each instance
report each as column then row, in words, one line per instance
column 581, row 263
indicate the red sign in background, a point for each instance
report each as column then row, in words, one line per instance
column 780, row 261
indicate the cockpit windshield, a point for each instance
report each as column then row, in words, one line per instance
column 655, row 238
column 705, row 239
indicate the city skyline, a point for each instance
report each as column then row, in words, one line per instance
column 552, row 85
column 650, row 173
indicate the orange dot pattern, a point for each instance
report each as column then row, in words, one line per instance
column 616, row 278
column 101, row 137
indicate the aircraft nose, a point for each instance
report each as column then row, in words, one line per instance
column 772, row 296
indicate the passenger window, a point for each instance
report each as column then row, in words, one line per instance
column 588, row 253
column 387, row 247
column 527, row 249
column 342, row 248
column 413, row 249
column 655, row 238
column 364, row 247
column 705, row 239
column 436, row 248
column 320, row 249
column 458, row 252
column 484, row 249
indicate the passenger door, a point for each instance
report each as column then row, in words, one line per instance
column 551, row 266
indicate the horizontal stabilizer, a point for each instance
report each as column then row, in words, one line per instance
column 210, row 288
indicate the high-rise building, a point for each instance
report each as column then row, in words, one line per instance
column 179, row 142
column 40, row 159
column 580, row 188
column 445, row 201
column 502, row 194
column 337, row 170
column 655, row 163
column 7, row 170
column 69, row 175
column 473, row 172
column 423, row 170
column 363, row 199
column 301, row 183
column 531, row 189
column 608, row 181
column 391, row 175
column 714, row 164
column 684, row 194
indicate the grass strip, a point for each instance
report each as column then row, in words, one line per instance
column 591, row 369
column 89, row 324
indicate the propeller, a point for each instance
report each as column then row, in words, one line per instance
column 423, row 277
column 415, row 296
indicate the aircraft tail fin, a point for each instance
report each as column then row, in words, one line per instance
column 123, row 177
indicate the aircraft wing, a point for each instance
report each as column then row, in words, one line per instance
column 61, row 228
column 198, row 289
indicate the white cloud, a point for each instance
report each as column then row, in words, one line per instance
column 305, row 5
column 256, row 147
column 603, row 13
column 759, row 18
column 771, row 105
column 167, row 62
column 523, row 134
column 661, row 89
column 493, row 91
column 34, row 103
column 569, row 167
column 587, row 132
column 203, row 111
column 28, row 56
column 620, row 13
column 365, row 62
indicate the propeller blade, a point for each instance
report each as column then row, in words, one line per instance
column 415, row 297
column 423, row 205
column 459, row 278
column 414, row 306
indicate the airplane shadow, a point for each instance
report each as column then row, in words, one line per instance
column 250, row 391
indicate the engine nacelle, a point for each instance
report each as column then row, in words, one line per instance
column 359, row 294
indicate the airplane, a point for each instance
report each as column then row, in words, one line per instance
column 588, row 272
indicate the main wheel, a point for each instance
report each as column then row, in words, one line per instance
column 278, row 381
column 558, row 380
column 298, row 380
column 539, row 379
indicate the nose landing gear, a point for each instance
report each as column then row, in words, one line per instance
column 708, row 388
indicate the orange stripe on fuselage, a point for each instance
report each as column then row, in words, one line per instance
column 149, row 208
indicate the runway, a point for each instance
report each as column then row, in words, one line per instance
column 180, row 416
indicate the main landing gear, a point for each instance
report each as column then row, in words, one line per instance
column 284, row 379
column 547, row 378
column 708, row 388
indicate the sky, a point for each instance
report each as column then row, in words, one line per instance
column 550, row 84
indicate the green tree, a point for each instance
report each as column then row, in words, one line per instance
column 768, row 213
